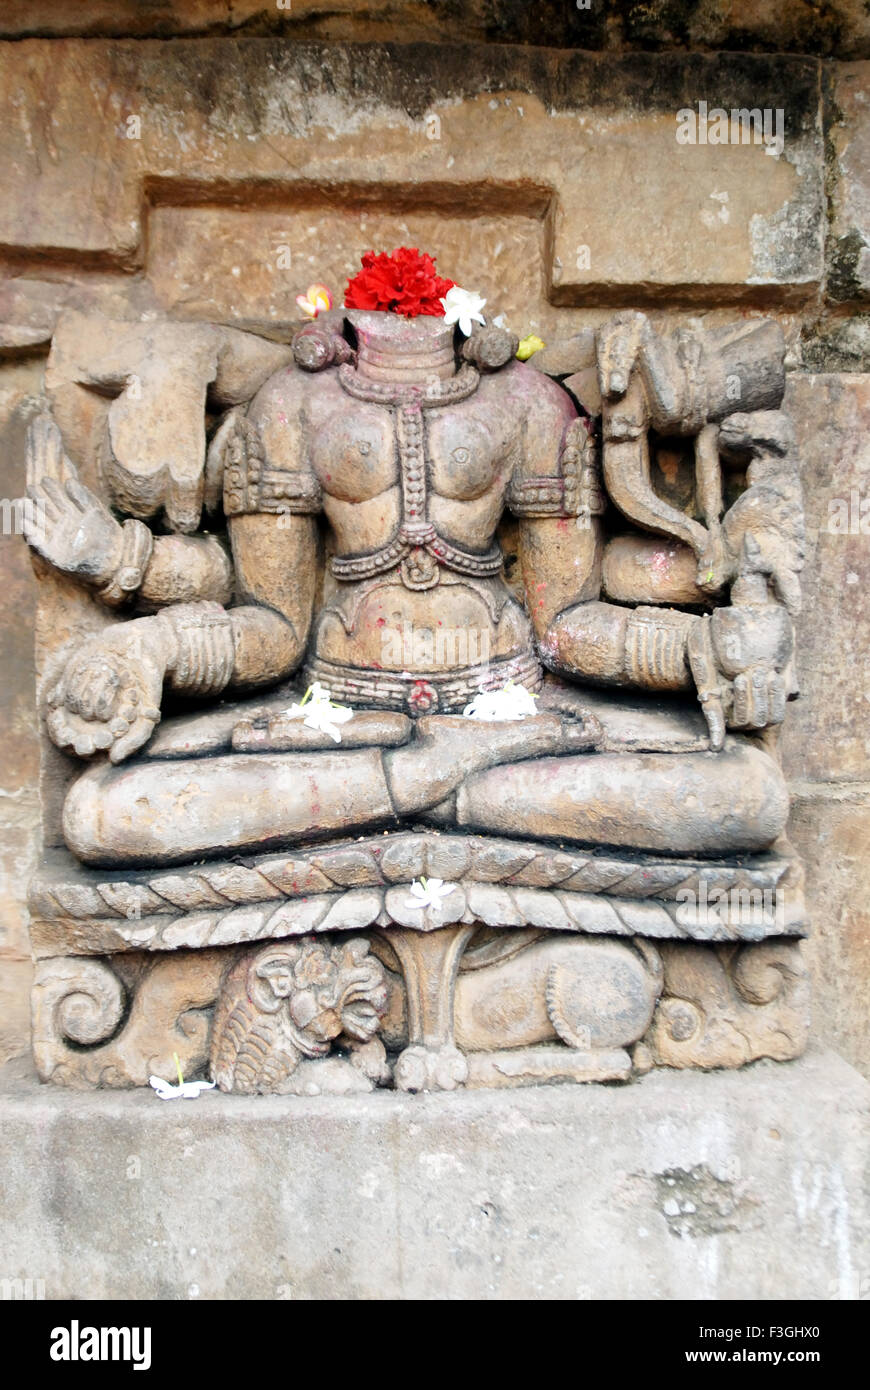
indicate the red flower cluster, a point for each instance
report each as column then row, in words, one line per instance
column 404, row 283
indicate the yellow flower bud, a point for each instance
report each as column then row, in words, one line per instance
column 529, row 345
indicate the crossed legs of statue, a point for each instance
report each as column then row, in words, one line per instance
column 535, row 778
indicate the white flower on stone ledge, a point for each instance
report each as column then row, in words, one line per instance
column 463, row 307
column 428, row 892
column 511, row 702
column 186, row 1090
column 317, row 711
column 189, row 1090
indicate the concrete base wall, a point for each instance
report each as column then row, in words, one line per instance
column 727, row 1185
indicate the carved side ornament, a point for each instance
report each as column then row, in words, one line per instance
column 724, row 1006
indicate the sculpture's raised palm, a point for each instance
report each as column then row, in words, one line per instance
column 67, row 525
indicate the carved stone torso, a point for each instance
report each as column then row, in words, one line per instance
column 442, row 456
column 413, row 481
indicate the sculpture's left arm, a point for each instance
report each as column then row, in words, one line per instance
column 556, row 495
column 740, row 660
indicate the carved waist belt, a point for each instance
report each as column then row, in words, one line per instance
column 419, row 550
column 416, row 693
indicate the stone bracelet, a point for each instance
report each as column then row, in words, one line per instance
column 138, row 544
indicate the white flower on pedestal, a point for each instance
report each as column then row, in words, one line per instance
column 463, row 307
column 428, row 892
column 511, row 702
column 185, row 1090
column 317, row 711
column 188, row 1090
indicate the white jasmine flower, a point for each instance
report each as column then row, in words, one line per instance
column 317, row 711
column 428, row 892
column 189, row 1090
column 463, row 306
column 511, row 702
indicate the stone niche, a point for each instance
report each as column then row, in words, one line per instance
column 231, row 511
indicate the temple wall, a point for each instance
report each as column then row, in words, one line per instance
column 158, row 164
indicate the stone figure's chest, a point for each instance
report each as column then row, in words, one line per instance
column 364, row 449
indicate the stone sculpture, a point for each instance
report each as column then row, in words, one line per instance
column 518, row 876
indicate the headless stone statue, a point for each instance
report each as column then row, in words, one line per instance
column 364, row 486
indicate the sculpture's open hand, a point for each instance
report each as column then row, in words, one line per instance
column 740, row 659
column 108, row 696
column 67, row 524
column 753, row 644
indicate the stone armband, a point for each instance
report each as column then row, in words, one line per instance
column 574, row 491
column 252, row 486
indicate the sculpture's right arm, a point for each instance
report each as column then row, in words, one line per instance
column 271, row 501
column 276, row 573
column 108, row 693
column 274, row 550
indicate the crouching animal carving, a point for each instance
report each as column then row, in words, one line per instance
column 516, row 1007
column 290, row 1000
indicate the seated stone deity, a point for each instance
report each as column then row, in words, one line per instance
column 367, row 490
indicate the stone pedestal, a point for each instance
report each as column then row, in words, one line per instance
column 724, row 1185
column 537, row 964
